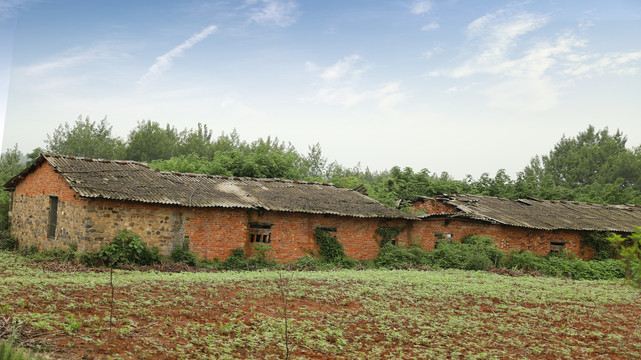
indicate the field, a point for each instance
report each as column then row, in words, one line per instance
column 369, row 314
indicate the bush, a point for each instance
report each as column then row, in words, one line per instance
column 125, row 248
column 330, row 249
column 630, row 251
column 566, row 265
column 236, row 261
column 65, row 255
column 182, row 254
column 7, row 241
column 261, row 257
column 393, row 256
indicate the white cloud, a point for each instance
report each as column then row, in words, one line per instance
column 338, row 85
column 164, row 62
column 530, row 70
column 70, row 59
column 431, row 26
column 421, row 7
column 277, row 12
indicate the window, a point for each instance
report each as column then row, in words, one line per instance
column 441, row 236
column 260, row 233
column 557, row 246
column 389, row 235
column 53, row 215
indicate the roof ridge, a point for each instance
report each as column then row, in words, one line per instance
column 266, row 180
column 107, row 161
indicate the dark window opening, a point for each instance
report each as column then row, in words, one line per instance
column 260, row 233
column 557, row 246
column 53, row 216
column 327, row 228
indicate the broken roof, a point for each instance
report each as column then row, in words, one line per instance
column 134, row 181
column 544, row 214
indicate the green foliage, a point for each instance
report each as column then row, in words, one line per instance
column 10, row 165
column 126, row 248
column 387, row 234
column 598, row 241
column 182, row 254
column 85, row 138
column 9, row 352
column 630, row 251
column 149, row 141
column 394, row 256
column 236, row 261
column 7, row 241
column 565, row 265
column 261, row 257
column 476, row 253
column 330, row 249
column 57, row 254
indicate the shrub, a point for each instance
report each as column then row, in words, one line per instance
column 630, row 251
column 7, row 241
column 182, row 254
column 330, row 249
column 65, row 255
column 393, row 256
column 261, row 257
column 236, row 261
column 598, row 241
column 125, row 248
column 485, row 245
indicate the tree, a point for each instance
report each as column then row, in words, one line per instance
column 590, row 157
column 85, row 138
column 196, row 141
column 149, row 141
column 10, row 165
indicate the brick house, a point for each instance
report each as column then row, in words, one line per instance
column 541, row 226
column 61, row 200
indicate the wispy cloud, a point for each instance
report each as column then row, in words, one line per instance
column 339, row 84
column 281, row 13
column 421, row 7
column 431, row 26
column 165, row 61
column 531, row 70
column 9, row 8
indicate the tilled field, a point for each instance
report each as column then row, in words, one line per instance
column 64, row 312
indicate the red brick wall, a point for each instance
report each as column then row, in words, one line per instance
column 214, row 232
column 506, row 237
column 431, row 206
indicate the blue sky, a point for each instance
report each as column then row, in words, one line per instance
column 460, row 86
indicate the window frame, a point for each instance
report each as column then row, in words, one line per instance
column 260, row 232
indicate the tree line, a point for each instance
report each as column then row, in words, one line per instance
column 594, row 166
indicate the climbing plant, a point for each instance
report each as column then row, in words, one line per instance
column 388, row 235
column 330, row 249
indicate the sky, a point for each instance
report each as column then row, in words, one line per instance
column 461, row 86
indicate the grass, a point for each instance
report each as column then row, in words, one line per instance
column 347, row 314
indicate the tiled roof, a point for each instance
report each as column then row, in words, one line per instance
column 133, row 181
column 545, row 214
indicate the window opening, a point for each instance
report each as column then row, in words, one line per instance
column 389, row 235
column 441, row 236
column 53, row 216
column 260, row 233
column 557, row 246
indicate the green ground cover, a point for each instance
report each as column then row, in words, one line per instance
column 346, row 314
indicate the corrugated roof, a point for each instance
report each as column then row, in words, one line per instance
column 545, row 214
column 133, row 181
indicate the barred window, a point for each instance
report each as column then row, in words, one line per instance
column 557, row 246
column 260, row 233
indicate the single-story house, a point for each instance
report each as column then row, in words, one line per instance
column 60, row 200
column 541, row 226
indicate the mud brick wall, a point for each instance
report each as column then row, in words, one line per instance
column 505, row 237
